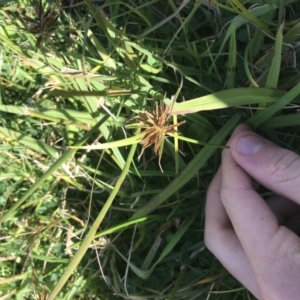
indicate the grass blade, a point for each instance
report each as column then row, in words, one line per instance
column 228, row 98
column 265, row 115
column 274, row 71
column 231, row 67
column 283, row 121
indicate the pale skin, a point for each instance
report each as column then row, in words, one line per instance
column 257, row 240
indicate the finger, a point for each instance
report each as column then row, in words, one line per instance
column 276, row 168
column 215, row 212
column 222, row 241
column 252, row 219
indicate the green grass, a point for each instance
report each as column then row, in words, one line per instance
column 81, row 216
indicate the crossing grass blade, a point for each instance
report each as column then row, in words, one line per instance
column 292, row 35
column 283, row 121
column 112, row 145
column 229, row 98
column 289, row 120
column 265, row 115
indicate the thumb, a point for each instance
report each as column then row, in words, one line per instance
column 275, row 168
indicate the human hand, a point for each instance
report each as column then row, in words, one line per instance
column 256, row 240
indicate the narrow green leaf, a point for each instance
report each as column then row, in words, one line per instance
column 265, row 115
column 231, row 66
column 274, row 71
column 283, row 121
column 112, row 145
column 228, row 98
column 293, row 34
column 153, row 250
column 246, row 67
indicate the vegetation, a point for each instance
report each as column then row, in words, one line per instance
column 113, row 117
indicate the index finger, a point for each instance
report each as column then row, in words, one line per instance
column 222, row 241
column 251, row 217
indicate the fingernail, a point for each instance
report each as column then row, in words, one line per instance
column 250, row 144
